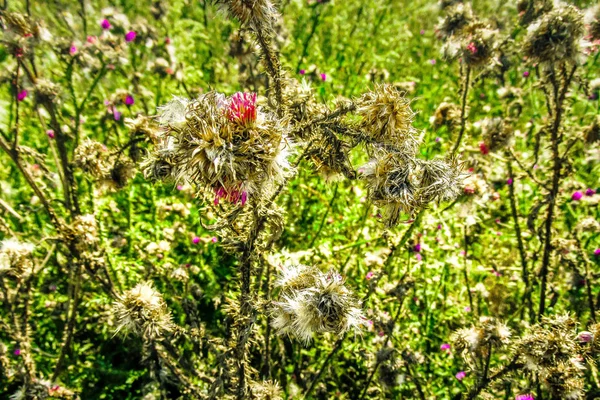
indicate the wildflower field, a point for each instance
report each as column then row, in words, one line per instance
column 292, row 199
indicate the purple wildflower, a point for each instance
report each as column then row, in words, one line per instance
column 461, row 375
column 196, row 240
column 130, row 36
column 21, row 95
column 129, row 100
column 590, row 192
column 105, row 24
column 526, row 74
column 577, row 196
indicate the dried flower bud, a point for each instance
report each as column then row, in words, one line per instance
column 143, row 312
column 313, row 302
column 15, row 257
column 458, row 17
column 497, row 133
column 92, row 158
column 555, row 37
column 447, row 114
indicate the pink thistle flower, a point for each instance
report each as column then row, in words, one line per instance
column 525, row 397
column 432, row 61
column 196, row 240
column 179, row 187
column 472, row 48
column 590, row 192
column 439, row 227
column 417, row 248
column 526, row 74
column 242, row 108
column 585, row 337
column 21, row 95
column 129, row 100
column 214, row 239
column 509, row 181
column 17, row 352
column 91, row 39
column 422, row 32
column 168, row 40
column 130, row 36
column 50, row 133
column 73, row 50
column 105, row 24
column 484, row 149
column 369, row 275
column 577, row 196
column 467, row 309
column 445, row 347
column 461, row 375
column 597, row 252
column 323, row 77
column 419, row 257
column 116, row 114
column 302, row 72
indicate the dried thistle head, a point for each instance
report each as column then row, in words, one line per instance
column 255, row 13
column 266, row 390
column 457, row 17
column 313, row 302
column 439, row 180
column 19, row 24
column 388, row 180
column 448, row 115
column 387, row 118
column 530, row 10
column 479, row 339
column 479, row 45
column 143, row 312
column 92, row 158
column 555, row 37
column 592, row 132
column 230, row 145
column 15, row 257
column 497, row 133
column 592, row 20
column 45, row 91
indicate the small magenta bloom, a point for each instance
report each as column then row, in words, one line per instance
column 130, row 36
column 17, row 352
column 302, row 71
column 590, row 192
column 461, row 375
column 116, row 114
column 467, row 309
column 525, row 397
column 91, row 39
column 419, row 257
column 242, row 108
column 483, row 148
column 438, row 139
column 422, row 31
column 50, row 133
column 432, row 61
column 417, row 248
column 509, row 181
column 369, row 275
column 323, row 77
column 73, row 50
column 214, row 239
column 472, row 48
column 597, row 252
column 439, row 227
column 196, row 240
column 526, row 74
column 445, row 347
column 105, row 24
column 21, row 95
column 179, row 187
column 129, row 100
column 585, row 337
column 577, row 196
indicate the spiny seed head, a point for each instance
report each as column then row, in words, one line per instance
column 15, row 257
column 230, row 145
column 555, row 37
column 457, row 17
column 313, row 305
column 592, row 132
column 92, row 158
column 475, row 340
column 258, row 14
column 530, row 10
column 448, row 115
column 387, row 118
column 497, row 133
column 267, row 390
column 143, row 312
column 479, row 45
column 592, row 19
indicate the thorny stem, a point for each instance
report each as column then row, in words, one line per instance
column 272, row 64
column 415, row 380
column 588, row 277
column 483, row 383
column 465, row 272
column 385, row 344
column 463, row 117
column 521, row 246
column 559, row 97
